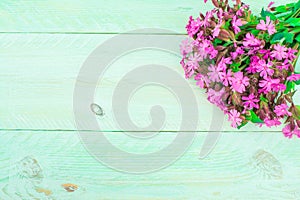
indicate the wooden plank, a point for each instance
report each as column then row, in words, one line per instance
column 36, row 164
column 42, row 70
column 94, row 16
column 39, row 72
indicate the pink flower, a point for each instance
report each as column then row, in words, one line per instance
column 267, row 26
column 238, row 51
column 251, row 41
column 239, row 82
column 279, row 52
column 235, row 24
column 278, row 87
column 215, row 97
column 271, row 4
column 192, row 64
column 250, row 102
column 213, row 74
column 234, row 117
column 264, row 68
column 285, row 65
column 186, row 47
column 226, row 77
column 272, row 122
column 282, row 110
column 294, row 77
column 291, row 54
column 193, row 26
column 267, row 84
column 202, row 47
column 200, row 82
column 207, row 19
column 217, row 30
column 288, row 132
column 266, row 53
column 222, row 66
column 241, row 11
column 212, row 52
column 252, row 68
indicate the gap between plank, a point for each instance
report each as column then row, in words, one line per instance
column 91, row 33
column 116, row 131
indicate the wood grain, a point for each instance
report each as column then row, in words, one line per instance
column 39, row 72
column 43, row 45
column 93, row 16
column 57, row 158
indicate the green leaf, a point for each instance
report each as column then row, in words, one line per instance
column 265, row 13
column 262, row 98
column 283, row 36
column 227, row 24
column 293, row 21
column 289, row 37
column 297, row 113
column 235, row 67
column 244, row 123
column 281, row 9
column 254, row 118
column 297, row 82
column 255, row 32
column 296, row 6
column 248, row 61
column 277, row 37
column 298, row 38
column 217, row 41
column 290, row 86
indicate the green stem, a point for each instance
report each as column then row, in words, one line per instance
column 295, row 61
column 295, row 31
column 296, row 14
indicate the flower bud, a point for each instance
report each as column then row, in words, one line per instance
column 236, row 99
column 298, row 123
column 288, row 98
column 262, row 115
column 253, row 90
column 218, row 87
column 296, row 111
column 292, row 68
column 225, row 97
column 293, row 125
column 228, row 16
column 220, row 48
column 202, row 16
column 224, row 35
column 213, row 24
column 266, row 109
column 232, row 35
column 216, row 3
column 271, row 97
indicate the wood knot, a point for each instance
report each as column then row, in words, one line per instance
column 69, row 187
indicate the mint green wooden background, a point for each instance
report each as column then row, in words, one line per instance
column 42, row 47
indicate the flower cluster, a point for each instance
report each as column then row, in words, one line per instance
column 246, row 63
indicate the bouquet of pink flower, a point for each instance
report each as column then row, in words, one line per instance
column 246, row 63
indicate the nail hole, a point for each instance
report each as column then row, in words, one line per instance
column 97, row 110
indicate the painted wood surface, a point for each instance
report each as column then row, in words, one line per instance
column 94, row 16
column 42, row 70
column 43, row 45
column 242, row 166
